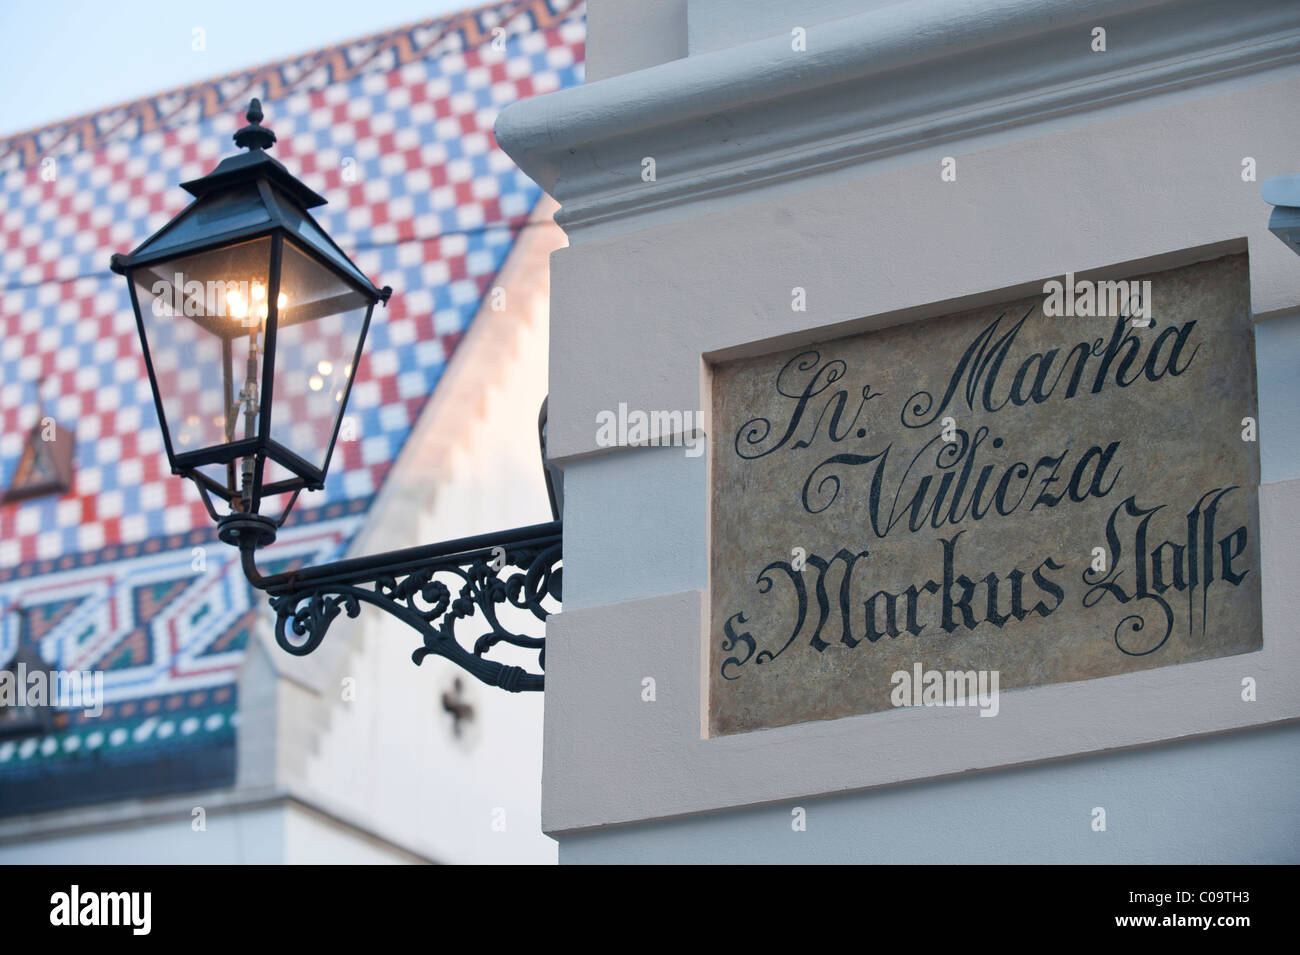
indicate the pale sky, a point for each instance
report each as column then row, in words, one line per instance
column 63, row 58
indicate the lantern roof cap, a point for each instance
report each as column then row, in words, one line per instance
column 255, row 163
column 254, row 135
column 251, row 165
column 246, row 195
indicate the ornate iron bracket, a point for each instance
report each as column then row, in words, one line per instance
column 431, row 588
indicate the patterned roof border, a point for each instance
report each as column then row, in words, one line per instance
column 191, row 538
column 334, row 64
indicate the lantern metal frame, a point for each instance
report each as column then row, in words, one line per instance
column 431, row 588
column 281, row 202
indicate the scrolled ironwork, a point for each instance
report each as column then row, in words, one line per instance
column 433, row 589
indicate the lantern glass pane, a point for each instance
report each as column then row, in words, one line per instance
column 321, row 322
column 274, row 471
column 204, row 318
column 227, row 475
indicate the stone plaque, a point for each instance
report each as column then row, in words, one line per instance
column 1054, row 489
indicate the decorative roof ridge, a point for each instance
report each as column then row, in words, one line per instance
column 212, row 96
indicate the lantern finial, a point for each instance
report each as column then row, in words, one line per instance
column 254, row 135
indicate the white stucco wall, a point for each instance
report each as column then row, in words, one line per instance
column 1220, row 800
column 822, row 172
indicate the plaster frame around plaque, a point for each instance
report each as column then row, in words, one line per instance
column 1108, row 689
column 680, row 770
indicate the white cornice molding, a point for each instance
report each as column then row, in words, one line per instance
column 106, row 817
column 879, row 83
